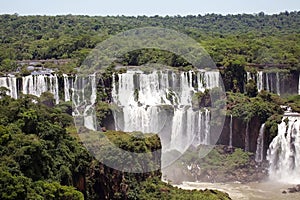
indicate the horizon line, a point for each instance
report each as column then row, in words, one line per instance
column 150, row 15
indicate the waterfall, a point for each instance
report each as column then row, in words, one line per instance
column 53, row 87
column 248, row 76
column 38, row 84
column 230, row 131
column 299, row 84
column 34, row 85
column 260, row 81
column 277, row 83
column 89, row 112
column 260, row 145
column 247, row 137
column 84, row 97
column 66, row 87
column 11, row 84
column 149, row 102
column 284, row 151
column 269, row 81
column 212, row 79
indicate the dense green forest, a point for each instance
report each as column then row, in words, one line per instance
column 242, row 38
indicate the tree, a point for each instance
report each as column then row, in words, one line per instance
column 251, row 88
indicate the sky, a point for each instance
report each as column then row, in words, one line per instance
column 148, row 7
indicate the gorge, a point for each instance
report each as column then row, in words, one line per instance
column 163, row 102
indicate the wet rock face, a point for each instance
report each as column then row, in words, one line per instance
column 239, row 129
column 292, row 189
column 106, row 182
column 225, row 166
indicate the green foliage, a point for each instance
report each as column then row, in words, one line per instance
column 219, row 161
column 153, row 188
column 103, row 109
column 234, row 76
column 144, row 56
column 7, row 65
column 37, row 156
column 233, row 38
column 3, row 91
column 263, row 106
column 294, row 102
column 251, row 88
column 201, row 99
column 272, row 126
column 20, row 187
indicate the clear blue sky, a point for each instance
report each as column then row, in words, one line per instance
column 148, row 7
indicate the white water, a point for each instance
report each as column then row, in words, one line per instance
column 268, row 81
column 149, row 102
column 260, row 81
column 11, row 84
column 277, row 83
column 66, row 87
column 36, row 85
column 248, row 191
column 84, row 97
column 299, row 85
column 284, row 151
column 260, row 144
column 230, row 131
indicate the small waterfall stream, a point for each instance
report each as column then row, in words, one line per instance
column 230, row 131
column 66, row 88
column 299, row 85
column 260, row 81
column 247, row 137
column 260, row 145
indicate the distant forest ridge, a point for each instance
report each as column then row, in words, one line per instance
column 243, row 38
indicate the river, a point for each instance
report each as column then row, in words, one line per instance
column 249, row 191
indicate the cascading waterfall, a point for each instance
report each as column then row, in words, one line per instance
column 84, row 97
column 284, row 151
column 11, row 84
column 66, row 88
column 268, row 81
column 212, row 79
column 36, row 85
column 230, row 131
column 248, row 76
column 277, row 83
column 260, row 144
column 54, row 87
column 148, row 102
column 260, row 81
